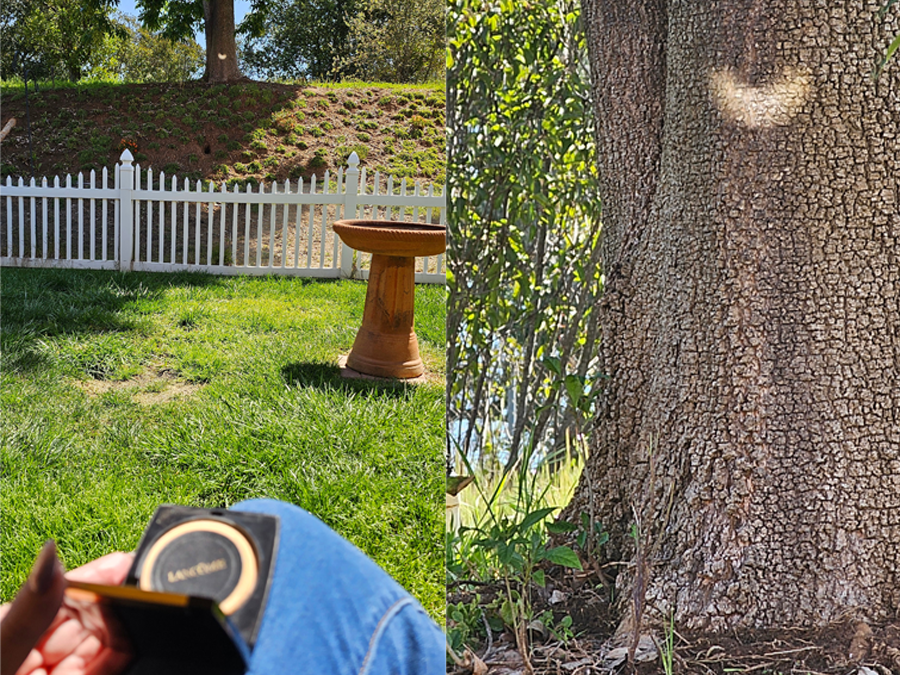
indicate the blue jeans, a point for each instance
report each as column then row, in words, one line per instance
column 332, row 610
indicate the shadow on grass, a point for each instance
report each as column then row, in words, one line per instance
column 54, row 301
column 328, row 376
column 40, row 303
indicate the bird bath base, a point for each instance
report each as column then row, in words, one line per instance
column 386, row 344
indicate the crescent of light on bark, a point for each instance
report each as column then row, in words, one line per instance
column 761, row 106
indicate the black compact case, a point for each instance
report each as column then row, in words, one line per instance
column 227, row 556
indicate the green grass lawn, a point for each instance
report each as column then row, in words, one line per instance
column 120, row 392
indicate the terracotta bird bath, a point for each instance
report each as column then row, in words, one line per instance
column 386, row 344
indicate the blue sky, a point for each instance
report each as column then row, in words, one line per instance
column 241, row 7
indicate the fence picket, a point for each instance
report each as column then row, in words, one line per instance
column 32, row 224
column 222, row 228
column 149, row 253
column 116, row 214
column 174, row 223
column 234, row 210
column 92, row 226
column 9, row 220
column 44, row 219
column 284, row 222
column 247, row 190
column 186, row 243
column 68, row 220
column 55, row 220
column 137, row 215
column 210, row 222
column 21, row 223
column 197, row 227
column 162, row 218
column 259, row 225
column 103, row 232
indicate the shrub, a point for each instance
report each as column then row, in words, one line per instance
column 343, row 151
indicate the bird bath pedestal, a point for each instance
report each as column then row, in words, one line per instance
column 386, row 344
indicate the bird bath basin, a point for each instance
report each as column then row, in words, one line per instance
column 386, row 344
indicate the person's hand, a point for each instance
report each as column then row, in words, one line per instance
column 40, row 636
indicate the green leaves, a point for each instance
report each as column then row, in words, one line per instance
column 533, row 518
column 523, row 219
column 562, row 555
column 520, row 544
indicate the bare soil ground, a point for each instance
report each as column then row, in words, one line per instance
column 153, row 387
column 848, row 647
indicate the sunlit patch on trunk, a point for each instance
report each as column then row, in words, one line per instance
column 763, row 106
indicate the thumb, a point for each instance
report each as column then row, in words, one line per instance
column 32, row 611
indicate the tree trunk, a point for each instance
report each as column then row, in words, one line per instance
column 751, row 420
column 221, row 49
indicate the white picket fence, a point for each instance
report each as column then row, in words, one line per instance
column 141, row 224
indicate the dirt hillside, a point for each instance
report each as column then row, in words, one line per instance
column 253, row 131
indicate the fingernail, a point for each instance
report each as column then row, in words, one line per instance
column 45, row 568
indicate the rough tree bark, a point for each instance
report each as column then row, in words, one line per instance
column 221, row 49
column 751, row 420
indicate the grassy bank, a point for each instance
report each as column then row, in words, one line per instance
column 247, row 132
column 124, row 391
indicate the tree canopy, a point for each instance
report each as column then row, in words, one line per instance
column 53, row 38
column 376, row 40
column 139, row 55
column 301, row 39
column 396, row 41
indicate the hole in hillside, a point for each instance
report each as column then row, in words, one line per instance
column 206, row 149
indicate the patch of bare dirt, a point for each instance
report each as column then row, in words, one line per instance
column 152, row 387
column 846, row 648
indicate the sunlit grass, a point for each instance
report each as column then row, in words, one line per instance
column 119, row 392
column 481, row 501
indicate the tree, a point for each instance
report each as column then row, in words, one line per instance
column 142, row 56
column 54, row 34
column 302, row 38
column 178, row 19
column 746, row 452
column 396, row 41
